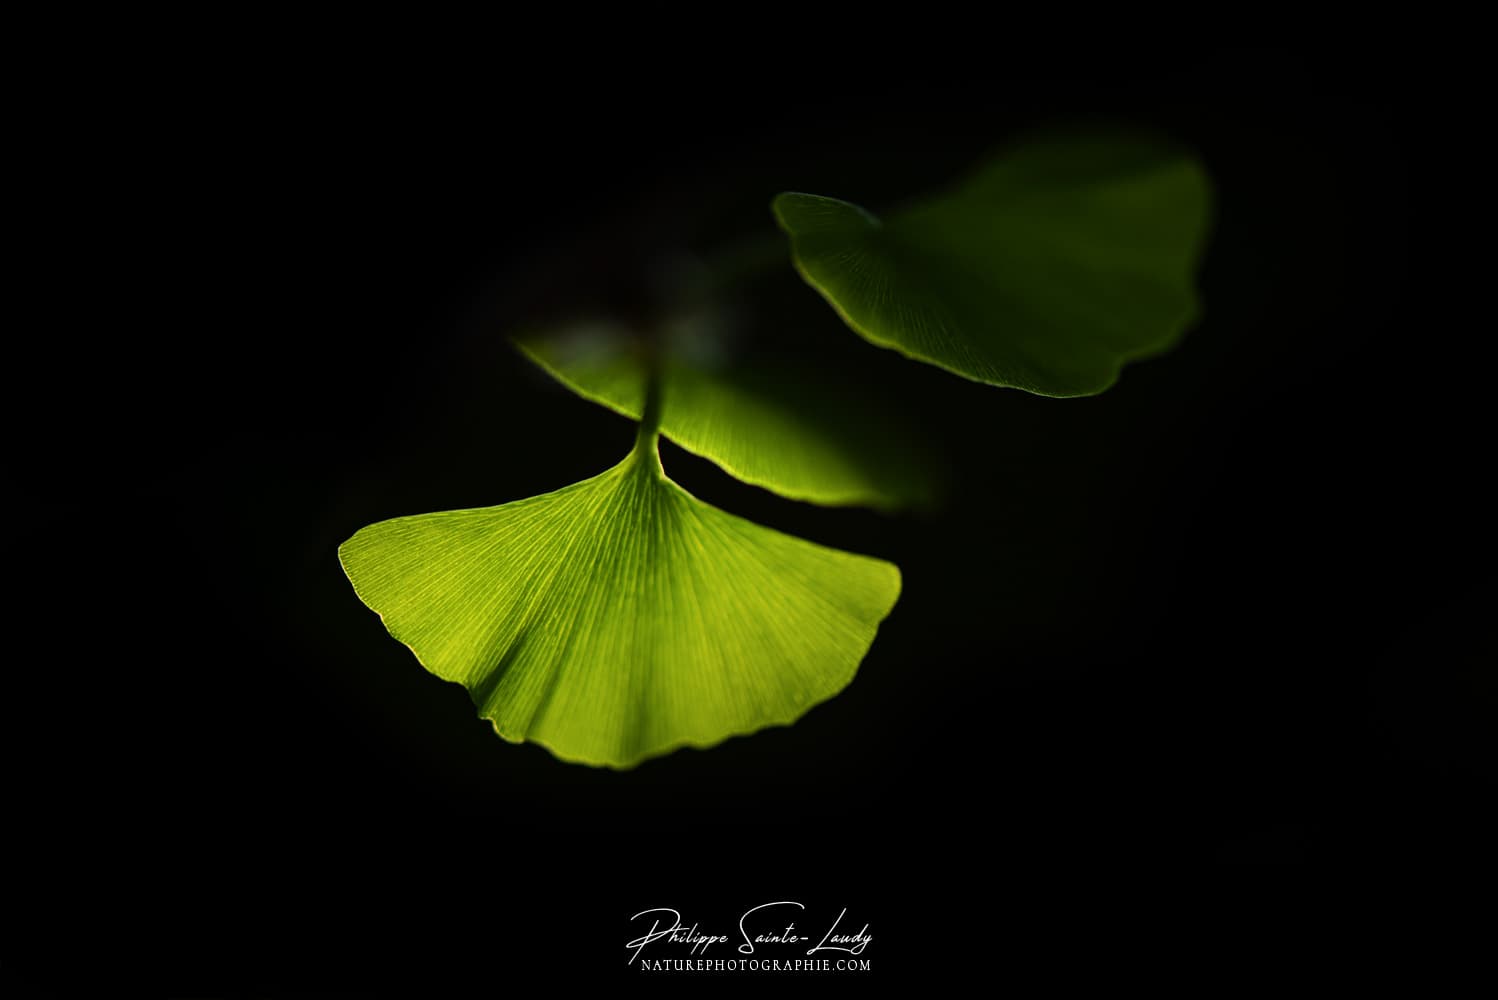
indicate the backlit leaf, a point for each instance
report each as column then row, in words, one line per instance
column 1046, row 271
column 620, row 618
column 775, row 425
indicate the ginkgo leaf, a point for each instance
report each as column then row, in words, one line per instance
column 620, row 618
column 771, row 424
column 1047, row 271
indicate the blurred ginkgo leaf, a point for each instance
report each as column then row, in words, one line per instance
column 1059, row 261
column 774, row 425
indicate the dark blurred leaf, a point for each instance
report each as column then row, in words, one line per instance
column 1052, row 266
column 770, row 421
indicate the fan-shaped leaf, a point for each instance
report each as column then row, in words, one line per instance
column 772, row 425
column 620, row 618
column 1049, row 269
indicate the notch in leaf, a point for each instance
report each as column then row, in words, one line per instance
column 620, row 618
column 1050, row 268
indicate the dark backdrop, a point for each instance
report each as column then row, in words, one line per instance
column 1230, row 610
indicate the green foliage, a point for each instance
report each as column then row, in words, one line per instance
column 767, row 425
column 619, row 618
column 1046, row 271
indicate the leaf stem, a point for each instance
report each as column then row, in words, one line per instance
column 648, row 438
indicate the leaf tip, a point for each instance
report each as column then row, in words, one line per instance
column 801, row 214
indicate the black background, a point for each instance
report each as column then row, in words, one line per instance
column 1235, row 609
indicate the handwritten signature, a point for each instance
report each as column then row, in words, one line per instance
column 762, row 932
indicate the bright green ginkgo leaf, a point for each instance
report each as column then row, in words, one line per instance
column 620, row 618
column 1054, row 265
column 772, row 425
